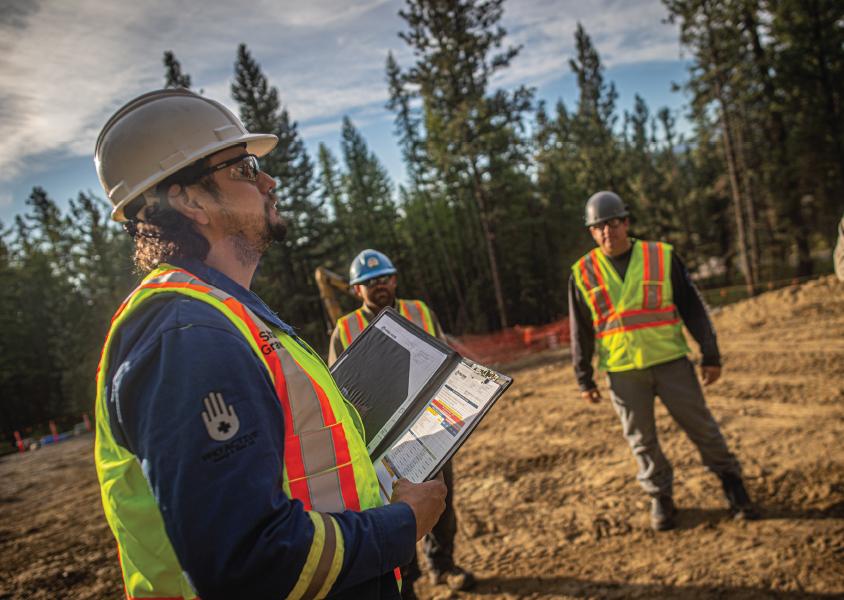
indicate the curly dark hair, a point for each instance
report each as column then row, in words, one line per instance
column 165, row 233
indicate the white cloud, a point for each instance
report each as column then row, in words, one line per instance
column 73, row 62
column 623, row 32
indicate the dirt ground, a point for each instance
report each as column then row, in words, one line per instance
column 546, row 491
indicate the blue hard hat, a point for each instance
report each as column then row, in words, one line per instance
column 370, row 264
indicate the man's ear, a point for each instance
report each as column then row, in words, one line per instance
column 189, row 202
column 356, row 289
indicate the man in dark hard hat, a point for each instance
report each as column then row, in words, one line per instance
column 631, row 298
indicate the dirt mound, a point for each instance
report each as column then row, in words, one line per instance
column 546, row 491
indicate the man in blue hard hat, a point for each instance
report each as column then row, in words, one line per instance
column 375, row 280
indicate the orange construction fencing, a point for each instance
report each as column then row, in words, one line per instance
column 515, row 342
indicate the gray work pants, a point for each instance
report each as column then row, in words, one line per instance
column 676, row 384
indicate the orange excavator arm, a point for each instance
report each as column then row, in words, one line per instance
column 329, row 284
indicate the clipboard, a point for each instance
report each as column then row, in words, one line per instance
column 419, row 399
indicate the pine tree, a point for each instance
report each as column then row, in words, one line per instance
column 284, row 279
column 469, row 134
column 173, row 76
column 370, row 212
column 708, row 28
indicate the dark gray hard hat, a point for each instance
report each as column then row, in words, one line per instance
column 604, row 206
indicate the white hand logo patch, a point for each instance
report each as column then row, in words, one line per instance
column 220, row 419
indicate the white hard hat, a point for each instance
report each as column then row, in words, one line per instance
column 160, row 133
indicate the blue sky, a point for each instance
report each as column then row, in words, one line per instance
column 66, row 65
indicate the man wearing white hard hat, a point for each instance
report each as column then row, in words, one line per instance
column 229, row 464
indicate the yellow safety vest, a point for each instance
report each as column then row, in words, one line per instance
column 415, row 311
column 332, row 472
column 636, row 322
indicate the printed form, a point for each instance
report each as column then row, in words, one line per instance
column 424, row 362
column 446, row 418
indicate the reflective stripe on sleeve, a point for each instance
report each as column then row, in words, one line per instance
column 324, row 561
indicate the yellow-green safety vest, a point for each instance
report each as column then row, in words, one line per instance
column 636, row 322
column 328, row 469
column 415, row 311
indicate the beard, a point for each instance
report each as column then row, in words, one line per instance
column 383, row 298
column 276, row 230
column 252, row 235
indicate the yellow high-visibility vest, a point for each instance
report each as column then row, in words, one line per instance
column 415, row 311
column 327, row 475
column 636, row 322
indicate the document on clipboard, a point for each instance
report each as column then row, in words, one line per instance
column 418, row 398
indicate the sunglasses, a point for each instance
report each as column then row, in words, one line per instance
column 383, row 280
column 244, row 167
column 613, row 223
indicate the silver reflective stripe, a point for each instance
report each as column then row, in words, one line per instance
column 637, row 319
column 317, row 443
column 174, row 277
column 325, row 492
column 600, row 298
column 314, row 450
column 316, row 439
column 652, row 282
column 588, row 271
column 218, row 294
column 600, row 295
column 651, row 296
column 303, row 399
column 182, row 277
column 414, row 313
column 355, row 324
column 653, row 261
column 354, row 327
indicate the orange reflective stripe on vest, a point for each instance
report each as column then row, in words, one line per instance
column 636, row 322
column 351, row 326
column 325, row 463
column 325, row 446
column 591, row 272
column 654, row 274
column 636, row 319
column 415, row 312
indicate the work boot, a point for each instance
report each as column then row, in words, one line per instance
column 741, row 506
column 456, row 578
column 662, row 513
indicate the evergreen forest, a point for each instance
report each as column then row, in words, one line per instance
column 490, row 216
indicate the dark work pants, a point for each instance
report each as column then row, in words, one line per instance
column 677, row 386
column 439, row 544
